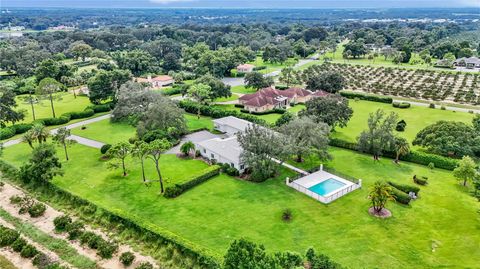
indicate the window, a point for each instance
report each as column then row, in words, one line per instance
column 242, row 166
column 212, row 155
column 204, row 151
column 232, row 165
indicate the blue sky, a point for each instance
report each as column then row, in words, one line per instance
column 242, row 3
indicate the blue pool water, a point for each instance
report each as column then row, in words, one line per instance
column 327, row 186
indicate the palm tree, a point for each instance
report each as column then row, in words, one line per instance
column 61, row 137
column 380, row 194
column 40, row 132
column 141, row 150
column 29, row 137
column 155, row 150
column 402, row 147
column 187, row 147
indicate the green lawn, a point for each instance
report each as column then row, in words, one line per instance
column 63, row 102
column 242, row 89
column 272, row 66
column 416, row 117
column 225, row 99
column 441, row 229
column 107, row 132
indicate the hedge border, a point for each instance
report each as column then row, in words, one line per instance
column 177, row 189
column 367, row 97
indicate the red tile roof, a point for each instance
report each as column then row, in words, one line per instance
column 272, row 96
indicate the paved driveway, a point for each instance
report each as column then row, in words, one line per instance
column 194, row 137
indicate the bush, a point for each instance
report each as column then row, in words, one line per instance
column 443, row 108
column 106, row 249
column 177, row 189
column 37, row 210
column 287, row 215
column 81, row 115
column 400, row 196
column 367, row 97
column 105, row 148
column 90, row 239
column 18, row 245
column 401, row 126
column 28, row 251
column 281, row 87
column 74, row 229
column 261, row 67
column 7, row 236
column 239, row 105
column 405, row 188
column 15, row 199
column 7, row 132
column 22, row 127
column 65, row 118
column 61, row 223
column 273, row 111
column 145, row 265
column 431, row 166
column 172, row 91
column 431, row 105
column 100, row 108
column 42, row 261
column 401, row 104
column 229, row 170
column 127, row 258
column 420, row 180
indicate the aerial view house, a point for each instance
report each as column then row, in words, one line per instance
column 271, row 98
column 245, row 68
column 158, row 81
column 470, row 63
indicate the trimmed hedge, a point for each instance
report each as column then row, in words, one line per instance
column 273, row 111
column 367, row 97
column 417, row 157
column 172, row 91
column 401, row 105
column 400, row 196
column 101, row 108
column 420, row 180
column 405, row 188
column 177, row 189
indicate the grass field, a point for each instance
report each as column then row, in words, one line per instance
column 242, row 89
column 5, row 264
column 441, row 229
column 63, row 102
column 272, row 66
column 416, row 117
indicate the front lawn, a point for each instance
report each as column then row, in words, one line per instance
column 441, row 229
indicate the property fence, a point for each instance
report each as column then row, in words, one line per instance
column 357, row 184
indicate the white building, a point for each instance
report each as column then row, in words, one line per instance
column 231, row 125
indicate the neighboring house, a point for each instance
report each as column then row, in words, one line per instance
column 158, row 81
column 470, row 63
column 231, row 125
column 271, row 98
column 245, row 68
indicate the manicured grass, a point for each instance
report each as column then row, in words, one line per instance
column 66, row 103
column 225, row 99
column 242, row 89
column 416, row 117
column 59, row 246
column 6, row 264
column 441, row 229
column 272, row 66
column 107, row 132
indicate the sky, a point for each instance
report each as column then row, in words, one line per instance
column 241, row 3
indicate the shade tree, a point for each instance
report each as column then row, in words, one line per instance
column 257, row 81
column 201, row 93
column 330, row 109
column 8, row 105
column 466, row 170
column 42, row 166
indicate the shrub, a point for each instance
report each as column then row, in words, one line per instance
column 431, row 166
column 420, row 180
column 105, row 148
column 367, row 97
column 401, row 104
column 431, row 105
column 281, row 87
column 273, row 111
column 287, row 215
column 74, row 229
column 229, row 170
column 90, row 239
column 106, row 249
column 100, row 108
column 405, row 188
column 37, row 210
column 15, row 199
column 443, row 108
column 65, row 118
column 289, row 259
column 127, row 258
column 400, row 196
column 172, row 91
column 61, row 222
column 177, row 189
column 7, row 132
column 401, row 126
column 261, row 67
column 7, row 236
column 22, row 127
column 42, row 261
column 145, row 265
column 28, row 251
column 18, row 245
column 81, row 115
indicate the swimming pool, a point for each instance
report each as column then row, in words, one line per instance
column 327, row 186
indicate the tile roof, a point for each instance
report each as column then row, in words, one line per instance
column 228, row 148
column 271, row 96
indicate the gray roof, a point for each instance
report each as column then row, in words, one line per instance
column 228, row 148
column 471, row 60
column 234, row 122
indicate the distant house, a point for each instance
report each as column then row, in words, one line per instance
column 470, row 63
column 158, row 81
column 245, row 68
column 231, row 125
column 271, row 98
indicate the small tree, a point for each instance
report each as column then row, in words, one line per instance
column 200, row 93
column 380, row 194
column 187, row 147
column 61, row 138
column 331, row 109
column 120, row 152
column 402, row 147
column 466, row 170
column 155, row 150
column 257, row 81
column 42, row 166
column 48, row 87
column 289, row 76
column 140, row 150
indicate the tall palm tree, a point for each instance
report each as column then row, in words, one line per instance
column 402, row 147
column 61, row 137
column 380, row 194
column 40, row 132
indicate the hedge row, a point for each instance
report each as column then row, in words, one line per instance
column 400, row 196
column 273, row 111
column 413, row 157
column 172, row 91
column 401, row 105
column 216, row 112
column 21, row 128
column 205, row 257
column 405, row 188
column 367, row 97
column 177, row 189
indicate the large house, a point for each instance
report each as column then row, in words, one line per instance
column 225, row 150
column 470, row 63
column 245, row 68
column 271, row 98
column 158, row 81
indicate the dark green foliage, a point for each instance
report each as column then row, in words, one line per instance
column 7, row 236
column 90, row 239
column 229, row 170
column 401, row 104
column 61, row 222
column 106, row 249
column 105, row 148
column 37, row 210
column 55, row 121
column 420, row 180
column 273, row 111
column 18, row 245
column 177, row 189
column 331, row 109
column 405, row 188
column 288, row 260
column 42, row 166
column 145, row 265
column 287, row 215
column 320, row 261
column 127, row 258
column 284, row 119
column 80, row 115
column 28, row 251
column 329, row 81
column 101, row 108
column 247, row 255
column 367, row 97
column 401, row 126
column 41, row 261
column 7, row 132
column 74, row 229
column 22, row 127
column 400, row 196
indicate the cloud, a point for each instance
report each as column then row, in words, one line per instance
column 164, row 2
